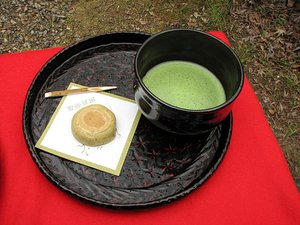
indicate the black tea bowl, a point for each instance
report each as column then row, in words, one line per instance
column 193, row 46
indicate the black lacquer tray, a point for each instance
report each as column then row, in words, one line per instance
column 159, row 168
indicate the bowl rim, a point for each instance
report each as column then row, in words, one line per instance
column 209, row 110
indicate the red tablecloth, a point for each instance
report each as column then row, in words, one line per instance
column 253, row 184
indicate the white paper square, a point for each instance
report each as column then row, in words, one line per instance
column 58, row 139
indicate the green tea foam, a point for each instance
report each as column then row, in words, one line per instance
column 185, row 84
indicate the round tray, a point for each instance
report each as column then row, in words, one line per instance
column 159, row 167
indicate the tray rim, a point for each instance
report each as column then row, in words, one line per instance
column 46, row 172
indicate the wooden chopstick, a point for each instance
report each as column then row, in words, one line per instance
column 77, row 91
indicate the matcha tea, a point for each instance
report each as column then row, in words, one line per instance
column 185, row 85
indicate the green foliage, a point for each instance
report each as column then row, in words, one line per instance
column 218, row 13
